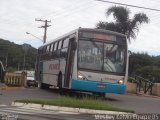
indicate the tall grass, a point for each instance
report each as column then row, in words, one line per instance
column 85, row 102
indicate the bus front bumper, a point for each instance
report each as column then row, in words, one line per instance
column 95, row 86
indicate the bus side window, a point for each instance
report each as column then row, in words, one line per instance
column 64, row 48
column 55, row 46
column 55, row 50
column 48, row 48
column 64, row 52
column 43, row 52
column 65, row 43
column 60, row 45
column 51, row 49
column 57, row 53
column 47, row 51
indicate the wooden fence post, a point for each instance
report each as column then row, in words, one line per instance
column 16, row 79
column 24, row 78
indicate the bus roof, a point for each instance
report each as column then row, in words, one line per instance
column 61, row 37
column 101, row 31
column 84, row 29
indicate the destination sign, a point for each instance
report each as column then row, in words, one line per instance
column 103, row 37
column 99, row 36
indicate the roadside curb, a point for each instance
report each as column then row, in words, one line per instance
column 66, row 109
column 143, row 95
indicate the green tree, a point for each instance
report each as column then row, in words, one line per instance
column 15, row 54
column 145, row 65
column 123, row 23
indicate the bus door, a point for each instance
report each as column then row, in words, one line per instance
column 69, row 63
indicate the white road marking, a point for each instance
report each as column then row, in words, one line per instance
column 2, row 105
column 23, row 110
column 63, row 112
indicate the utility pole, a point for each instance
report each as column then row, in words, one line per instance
column 45, row 28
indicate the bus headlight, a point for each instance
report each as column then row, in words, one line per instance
column 120, row 82
column 81, row 77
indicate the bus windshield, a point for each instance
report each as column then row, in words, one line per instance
column 101, row 56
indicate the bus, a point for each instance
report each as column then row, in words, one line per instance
column 88, row 60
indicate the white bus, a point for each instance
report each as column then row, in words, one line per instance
column 91, row 60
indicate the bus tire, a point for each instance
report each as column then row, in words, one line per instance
column 44, row 86
column 60, row 80
column 103, row 95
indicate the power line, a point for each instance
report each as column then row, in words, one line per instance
column 56, row 12
column 13, row 21
column 75, row 10
column 129, row 5
column 69, row 7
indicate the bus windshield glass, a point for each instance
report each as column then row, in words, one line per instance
column 101, row 56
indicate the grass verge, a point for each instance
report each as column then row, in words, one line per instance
column 88, row 103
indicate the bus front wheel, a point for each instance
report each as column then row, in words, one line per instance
column 103, row 95
column 59, row 84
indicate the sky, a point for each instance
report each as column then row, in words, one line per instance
column 18, row 17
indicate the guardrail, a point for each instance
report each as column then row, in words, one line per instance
column 143, row 85
column 15, row 79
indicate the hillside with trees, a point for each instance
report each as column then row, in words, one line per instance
column 12, row 55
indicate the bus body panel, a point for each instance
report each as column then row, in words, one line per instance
column 95, row 86
column 92, row 79
column 102, row 77
column 51, row 69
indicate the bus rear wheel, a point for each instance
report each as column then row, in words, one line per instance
column 59, row 84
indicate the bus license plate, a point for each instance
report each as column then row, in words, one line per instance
column 101, row 86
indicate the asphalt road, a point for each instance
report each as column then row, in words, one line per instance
column 8, row 96
column 139, row 104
